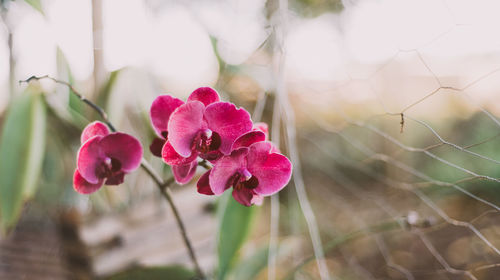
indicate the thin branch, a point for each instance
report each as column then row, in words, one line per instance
column 204, row 163
column 165, row 191
column 163, row 185
column 96, row 108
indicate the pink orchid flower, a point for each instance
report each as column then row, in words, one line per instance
column 163, row 107
column 202, row 127
column 104, row 158
column 205, row 131
column 253, row 169
column 161, row 111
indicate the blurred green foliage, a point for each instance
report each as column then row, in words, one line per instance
column 36, row 4
column 22, row 148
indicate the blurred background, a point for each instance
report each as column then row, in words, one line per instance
column 388, row 109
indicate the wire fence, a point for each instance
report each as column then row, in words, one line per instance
column 436, row 176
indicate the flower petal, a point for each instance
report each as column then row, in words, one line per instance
column 228, row 121
column 184, row 173
column 271, row 169
column 94, row 129
column 156, row 146
column 124, row 148
column 83, row 186
column 212, row 156
column 248, row 139
column 203, row 185
column 161, row 109
column 261, row 126
column 185, row 123
column 171, row 157
column 225, row 168
column 246, row 197
column 89, row 157
column 257, row 199
column 275, row 149
column 116, row 179
column 205, row 95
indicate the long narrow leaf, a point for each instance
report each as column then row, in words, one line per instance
column 235, row 224
column 36, row 4
column 22, row 147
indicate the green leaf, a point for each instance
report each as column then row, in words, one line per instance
column 234, row 227
column 105, row 91
column 64, row 72
column 176, row 272
column 36, row 5
column 22, row 147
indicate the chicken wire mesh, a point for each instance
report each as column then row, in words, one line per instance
column 402, row 188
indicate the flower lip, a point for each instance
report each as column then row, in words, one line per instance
column 156, row 146
column 203, row 185
column 109, row 167
column 243, row 179
column 206, row 141
column 251, row 183
column 245, row 194
column 184, row 173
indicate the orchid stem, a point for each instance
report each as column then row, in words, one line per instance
column 204, row 164
column 163, row 185
column 165, row 191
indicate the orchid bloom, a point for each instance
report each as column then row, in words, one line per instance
column 202, row 127
column 104, row 158
column 207, row 131
column 162, row 108
column 254, row 169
